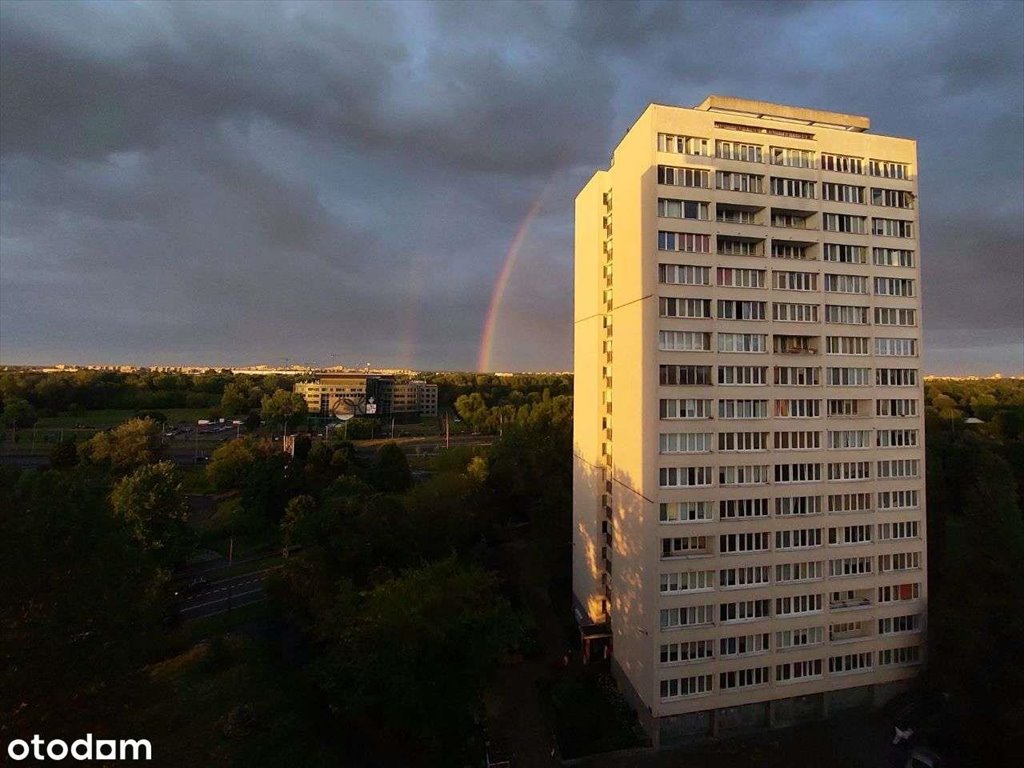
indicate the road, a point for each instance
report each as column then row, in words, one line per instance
column 225, row 595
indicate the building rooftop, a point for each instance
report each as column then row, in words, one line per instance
column 783, row 113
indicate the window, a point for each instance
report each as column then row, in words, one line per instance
column 849, row 534
column 790, row 573
column 793, row 672
column 797, row 473
column 795, row 281
column 796, row 604
column 798, row 538
column 846, row 254
column 747, row 610
column 847, row 407
column 682, row 209
column 892, row 257
column 685, row 686
column 792, row 187
column 799, row 376
column 695, row 615
column 842, row 163
column 737, row 578
column 903, row 529
column 895, row 347
column 899, row 593
column 794, row 158
column 901, row 561
column 685, row 511
column 905, row 499
column 896, row 407
column 797, row 441
column 684, row 177
column 732, row 150
column 683, row 145
column 794, row 313
column 894, row 286
column 740, row 278
column 797, row 409
column 743, row 542
column 842, row 193
column 742, row 374
column 889, row 170
column 892, row 227
column 892, row 468
column 848, row 377
column 740, row 310
column 841, row 222
column 852, row 662
column 784, row 250
column 743, row 441
column 743, row 645
column 897, row 438
column 681, row 546
column 743, row 678
column 799, row 638
column 786, row 506
column 849, row 502
column 742, row 342
column 846, row 345
column 683, row 274
column 895, row 625
column 739, row 182
column 736, row 509
column 849, row 438
column 732, row 246
column 846, row 284
column 684, row 442
column 687, row 581
column 851, row 566
column 896, row 656
column 846, row 314
column 891, row 316
column 892, row 198
column 849, row 470
column 697, row 650
column 896, row 377
column 684, row 341
column 684, row 241
column 748, row 474
column 687, row 408
column 684, row 477
column 731, row 214
column 743, row 409
column 692, row 308
column 684, row 375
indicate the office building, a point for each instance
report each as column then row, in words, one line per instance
column 749, row 501
column 369, row 395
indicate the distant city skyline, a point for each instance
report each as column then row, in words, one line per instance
column 203, row 184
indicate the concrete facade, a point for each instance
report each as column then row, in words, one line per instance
column 749, row 501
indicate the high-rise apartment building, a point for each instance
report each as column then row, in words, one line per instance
column 749, row 502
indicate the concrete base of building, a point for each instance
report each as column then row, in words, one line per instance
column 711, row 724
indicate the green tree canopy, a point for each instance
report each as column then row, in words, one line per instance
column 153, row 508
column 17, row 413
column 391, row 473
column 284, row 408
column 130, row 445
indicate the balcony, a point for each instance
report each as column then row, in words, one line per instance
column 790, row 218
column 796, row 345
column 740, row 246
column 849, row 600
column 851, row 631
column 738, row 214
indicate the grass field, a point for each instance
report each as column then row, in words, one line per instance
column 111, row 418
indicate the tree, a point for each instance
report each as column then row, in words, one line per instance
column 416, row 654
column 64, row 454
column 391, row 473
column 240, row 397
column 284, row 408
column 231, row 463
column 130, row 445
column 152, row 506
column 17, row 413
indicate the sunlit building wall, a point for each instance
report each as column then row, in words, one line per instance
column 749, row 501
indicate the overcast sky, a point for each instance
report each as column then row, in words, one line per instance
column 226, row 183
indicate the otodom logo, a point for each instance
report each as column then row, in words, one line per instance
column 85, row 748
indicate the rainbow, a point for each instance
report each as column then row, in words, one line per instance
column 483, row 363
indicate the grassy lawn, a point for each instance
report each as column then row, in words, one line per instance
column 111, row 418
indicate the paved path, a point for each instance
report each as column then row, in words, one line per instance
column 225, row 595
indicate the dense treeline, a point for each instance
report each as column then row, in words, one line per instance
column 497, row 390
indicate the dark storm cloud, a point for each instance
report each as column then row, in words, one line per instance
column 235, row 182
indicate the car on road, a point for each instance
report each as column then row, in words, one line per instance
column 193, row 586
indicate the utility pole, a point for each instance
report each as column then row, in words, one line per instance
column 447, row 434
